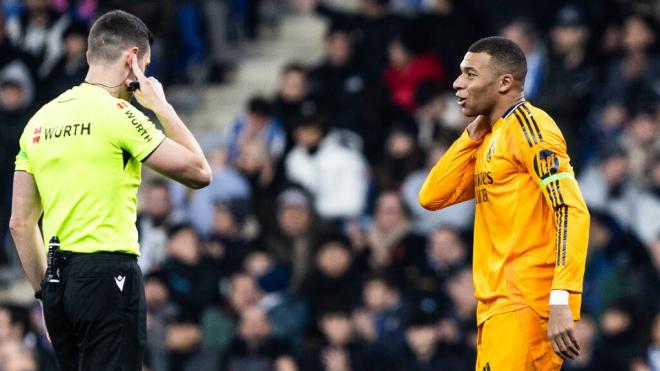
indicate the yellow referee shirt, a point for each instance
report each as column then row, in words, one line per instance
column 531, row 224
column 84, row 150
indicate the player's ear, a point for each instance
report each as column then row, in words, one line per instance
column 506, row 82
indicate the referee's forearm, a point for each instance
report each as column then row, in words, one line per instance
column 30, row 249
column 177, row 131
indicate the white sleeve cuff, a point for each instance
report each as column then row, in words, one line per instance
column 558, row 297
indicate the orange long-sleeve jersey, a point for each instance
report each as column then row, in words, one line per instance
column 531, row 224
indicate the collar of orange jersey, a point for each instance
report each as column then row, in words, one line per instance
column 513, row 108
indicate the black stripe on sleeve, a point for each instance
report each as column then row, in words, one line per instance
column 529, row 126
column 529, row 113
column 523, row 128
column 565, row 232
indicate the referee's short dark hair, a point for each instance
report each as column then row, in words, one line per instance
column 115, row 31
column 506, row 56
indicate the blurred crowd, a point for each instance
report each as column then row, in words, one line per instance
column 310, row 251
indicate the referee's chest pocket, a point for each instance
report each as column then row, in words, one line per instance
column 94, row 298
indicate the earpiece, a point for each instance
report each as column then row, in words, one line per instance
column 133, row 86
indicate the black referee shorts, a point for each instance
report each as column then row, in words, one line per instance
column 96, row 315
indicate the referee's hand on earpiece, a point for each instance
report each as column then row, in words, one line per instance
column 150, row 94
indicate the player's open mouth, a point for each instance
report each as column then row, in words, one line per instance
column 461, row 101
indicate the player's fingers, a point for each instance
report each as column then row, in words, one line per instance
column 563, row 353
column 569, row 352
column 570, row 347
column 571, row 335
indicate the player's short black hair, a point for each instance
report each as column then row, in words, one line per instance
column 115, row 31
column 506, row 56
column 261, row 106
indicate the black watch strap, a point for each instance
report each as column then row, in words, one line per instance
column 37, row 294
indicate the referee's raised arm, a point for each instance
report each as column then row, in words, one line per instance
column 179, row 156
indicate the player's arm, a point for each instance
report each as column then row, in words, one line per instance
column 543, row 153
column 451, row 180
column 25, row 213
column 178, row 156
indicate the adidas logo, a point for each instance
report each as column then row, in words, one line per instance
column 120, row 280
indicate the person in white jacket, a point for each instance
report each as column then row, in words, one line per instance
column 329, row 165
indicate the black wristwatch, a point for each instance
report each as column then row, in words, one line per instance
column 37, row 294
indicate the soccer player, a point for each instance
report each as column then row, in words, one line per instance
column 79, row 164
column 531, row 223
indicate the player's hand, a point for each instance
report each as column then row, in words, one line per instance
column 478, row 128
column 560, row 332
column 151, row 94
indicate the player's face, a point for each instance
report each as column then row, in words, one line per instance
column 476, row 86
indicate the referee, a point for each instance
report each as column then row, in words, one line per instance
column 79, row 164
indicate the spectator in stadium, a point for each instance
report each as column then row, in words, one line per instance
column 38, row 32
column 333, row 173
column 641, row 141
column 293, row 99
column 253, row 347
column 373, row 20
column 227, row 245
column 621, row 336
column 336, row 277
column 15, row 110
column 257, row 126
column 608, row 187
column 392, row 245
column 256, row 143
column 191, row 280
column 338, row 82
column 228, row 184
column 340, row 351
column 219, row 323
column 411, row 63
column 161, row 313
column 401, row 155
column 190, row 276
column 457, row 329
column 445, row 17
column 70, row 69
column 153, row 222
column 296, row 234
column 286, row 312
column 426, row 280
column 567, row 87
column 15, row 356
column 459, row 216
column 523, row 32
column 381, row 318
column 630, row 78
column 437, row 120
column 424, row 351
column 13, row 323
